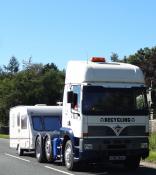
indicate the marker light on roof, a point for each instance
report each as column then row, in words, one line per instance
column 98, row 59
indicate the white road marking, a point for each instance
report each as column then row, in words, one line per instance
column 17, row 157
column 48, row 167
column 64, row 172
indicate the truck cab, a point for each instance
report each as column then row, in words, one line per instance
column 105, row 113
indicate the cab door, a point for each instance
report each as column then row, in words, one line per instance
column 76, row 118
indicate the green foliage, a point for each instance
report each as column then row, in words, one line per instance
column 152, row 141
column 35, row 84
column 152, row 145
column 13, row 66
column 151, row 157
column 114, row 57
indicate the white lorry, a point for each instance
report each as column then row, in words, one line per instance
column 26, row 121
column 105, row 116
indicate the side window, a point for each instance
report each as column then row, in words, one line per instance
column 37, row 123
column 24, row 122
column 12, row 121
column 51, row 123
column 18, row 119
column 76, row 90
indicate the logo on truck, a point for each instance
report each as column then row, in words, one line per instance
column 117, row 129
column 117, row 120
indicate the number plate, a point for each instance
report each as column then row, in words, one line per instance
column 117, row 157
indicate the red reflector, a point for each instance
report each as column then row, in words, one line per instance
column 98, row 59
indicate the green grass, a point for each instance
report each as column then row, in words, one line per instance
column 152, row 141
column 4, row 136
column 152, row 154
column 151, row 157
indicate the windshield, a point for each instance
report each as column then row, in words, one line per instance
column 46, row 123
column 98, row 100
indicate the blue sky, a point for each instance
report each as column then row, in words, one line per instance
column 60, row 30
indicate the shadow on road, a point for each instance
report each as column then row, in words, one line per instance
column 29, row 154
column 104, row 169
column 116, row 170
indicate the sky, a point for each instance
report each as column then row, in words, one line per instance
column 56, row 31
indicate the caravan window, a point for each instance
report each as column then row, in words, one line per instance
column 18, row 119
column 37, row 123
column 24, row 122
column 46, row 123
column 12, row 122
column 51, row 123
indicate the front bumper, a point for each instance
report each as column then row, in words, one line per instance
column 100, row 150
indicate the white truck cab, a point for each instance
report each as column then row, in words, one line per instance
column 105, row 111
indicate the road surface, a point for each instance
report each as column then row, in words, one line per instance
column 12, row 164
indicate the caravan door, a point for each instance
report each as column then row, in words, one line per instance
column 24, row 132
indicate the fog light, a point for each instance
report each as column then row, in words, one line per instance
column 88, row 146
column 144, row 145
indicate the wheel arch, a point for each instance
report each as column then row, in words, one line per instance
column 66, row 134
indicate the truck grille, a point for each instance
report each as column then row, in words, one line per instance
column 108, row 131
column 133, row 131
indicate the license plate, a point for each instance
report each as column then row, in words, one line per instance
column 117, row 157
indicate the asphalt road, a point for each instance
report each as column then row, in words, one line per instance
column 12, row 164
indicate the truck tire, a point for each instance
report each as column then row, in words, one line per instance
column 20, row 151
column 39, row 149
column 69, row 156
column 132, row 163
column 48, row 149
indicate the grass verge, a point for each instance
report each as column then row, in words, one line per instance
column 4, row 136
column 151, row 157
column 152, row 154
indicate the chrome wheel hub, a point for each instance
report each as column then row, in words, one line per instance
column 68, row 156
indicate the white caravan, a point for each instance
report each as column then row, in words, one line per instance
column 26, row 121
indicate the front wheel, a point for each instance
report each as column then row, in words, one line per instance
column 69, row 156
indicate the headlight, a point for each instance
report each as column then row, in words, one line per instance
column 88, row 146
column 144, row 145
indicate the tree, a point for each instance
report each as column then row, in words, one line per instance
column 13, row 66
column 114, row 57
column 27, row 63
column 51, row 66
column 35, row 84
